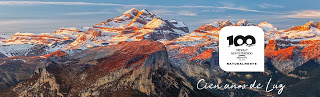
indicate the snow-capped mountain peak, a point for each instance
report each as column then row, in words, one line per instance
column 131, row 12
column 215, row 24
column 145, row 11
column 138, row 26
column 266, row 27
column 312, row 23
column 141, row 19
column 244, row 23
column 309, row 25
column 219, row 24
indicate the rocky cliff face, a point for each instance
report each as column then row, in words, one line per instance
column 16, row 69
column 141, row 66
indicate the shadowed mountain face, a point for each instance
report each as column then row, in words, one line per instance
column 141, row 68
column 16, row 69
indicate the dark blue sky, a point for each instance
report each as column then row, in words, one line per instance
column 45, row 16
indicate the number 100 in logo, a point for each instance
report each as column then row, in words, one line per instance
column 248, row 40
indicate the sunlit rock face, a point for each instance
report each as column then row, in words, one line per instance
column 132, row 25
column 305, row 27
column 293, row 47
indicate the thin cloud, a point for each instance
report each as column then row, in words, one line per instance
column 59, row 3
column 266, row 5
column 230, row 7
column 305, row 14
column 233, row 6
column 239, row 8
column 86, row 13
column 11, row 26
column 187, row 13
column 197, row 7
column 163, row 12
column 25, row 21
column 169, row 12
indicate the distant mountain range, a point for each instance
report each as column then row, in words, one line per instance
column 142, row 54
